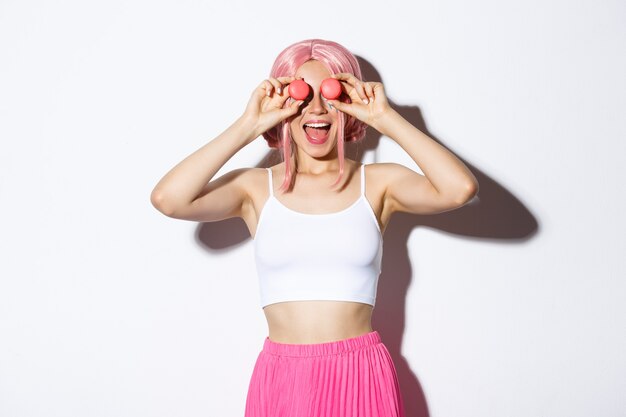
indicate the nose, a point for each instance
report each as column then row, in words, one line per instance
column 317, row 105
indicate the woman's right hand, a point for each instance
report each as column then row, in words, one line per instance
column 265, row 108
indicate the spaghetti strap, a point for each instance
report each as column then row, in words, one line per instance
column 271, row 186
column 362, row 179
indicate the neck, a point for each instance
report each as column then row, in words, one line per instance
column 304, row 163
column 316, row 166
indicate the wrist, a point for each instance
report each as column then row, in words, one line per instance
column 247, row 128
column 385, row 120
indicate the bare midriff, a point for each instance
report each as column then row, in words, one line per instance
column 317, row 321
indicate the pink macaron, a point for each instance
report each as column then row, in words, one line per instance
column 298, row 90
column 331, row 88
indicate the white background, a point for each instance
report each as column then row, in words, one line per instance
column 511, row 306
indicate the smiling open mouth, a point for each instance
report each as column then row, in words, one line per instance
column 317, row 133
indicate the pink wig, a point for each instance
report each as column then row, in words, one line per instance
column 337, row 59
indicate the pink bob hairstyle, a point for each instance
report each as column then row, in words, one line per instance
column 335, row 58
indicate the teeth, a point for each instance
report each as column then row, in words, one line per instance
column 317, row 124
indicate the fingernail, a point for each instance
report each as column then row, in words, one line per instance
column 279, row 90
column 366, row 101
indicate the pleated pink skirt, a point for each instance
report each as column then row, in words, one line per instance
column 352, row 377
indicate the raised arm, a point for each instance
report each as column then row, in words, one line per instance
column 447, row 183
column 185, row 191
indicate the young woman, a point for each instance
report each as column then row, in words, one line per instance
column 317, row 220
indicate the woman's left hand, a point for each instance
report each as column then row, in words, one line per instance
column 369, row 102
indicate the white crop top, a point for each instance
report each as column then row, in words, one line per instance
column 328, row 256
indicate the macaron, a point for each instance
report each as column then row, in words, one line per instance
column 331, row 88
column 298, row 89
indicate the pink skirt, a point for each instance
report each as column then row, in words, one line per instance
column 352, row 377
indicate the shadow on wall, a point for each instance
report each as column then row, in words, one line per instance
column 494, row 214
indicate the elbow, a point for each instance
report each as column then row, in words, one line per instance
column 158, row 201
column 469, row 192
column 472, row 190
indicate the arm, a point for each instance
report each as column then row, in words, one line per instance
column 447, row 183
column 185, row 191
column 175, row 194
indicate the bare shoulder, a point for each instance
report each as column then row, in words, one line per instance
column 381, row 175
column 229, row 195
column 250, row 177
column 251, row 183
column 383, row 168
column 243, row 181
column 408, row 191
